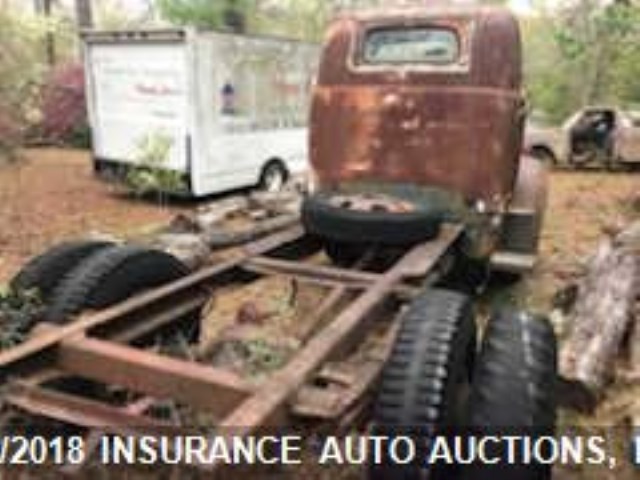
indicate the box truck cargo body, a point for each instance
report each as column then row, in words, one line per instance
column 222, row 110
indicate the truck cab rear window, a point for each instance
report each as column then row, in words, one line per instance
column 418, row 45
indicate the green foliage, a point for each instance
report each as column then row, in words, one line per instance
column 20, row 73
column 583, row 54
column 18, row 312
column 152, row 174
column 261, row 357
column 202, row 13
column 22, row 70
column 81, row 137
column 303, row 19
column 110, row 15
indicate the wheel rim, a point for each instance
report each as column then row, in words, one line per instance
column 273, row 180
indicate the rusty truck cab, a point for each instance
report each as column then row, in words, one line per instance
column 420, row 106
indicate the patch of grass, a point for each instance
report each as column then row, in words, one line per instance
column 262, row 357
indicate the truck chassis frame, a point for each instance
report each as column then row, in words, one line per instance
column 96, row 346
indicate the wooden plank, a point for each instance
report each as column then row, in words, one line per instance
column 157, row 375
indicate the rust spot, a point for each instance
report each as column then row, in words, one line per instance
column 458, row 128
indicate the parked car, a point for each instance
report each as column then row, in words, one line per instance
column 603, row 136
column 221, row 111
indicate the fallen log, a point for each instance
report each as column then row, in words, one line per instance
column 227, row 223
column 194, row 249
column 223, row 239
column 601, row 318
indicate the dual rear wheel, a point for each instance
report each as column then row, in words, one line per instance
column 87, row 274
column 438, row 383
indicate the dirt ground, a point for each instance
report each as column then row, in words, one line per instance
column 583, row 207
column 52, row 195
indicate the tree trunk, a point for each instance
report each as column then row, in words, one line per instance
column 601, row 318
column 43, row 7
column 84, row 14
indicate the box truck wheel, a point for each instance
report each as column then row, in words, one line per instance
column 110, row 276
column 514, row 390
column 44, row 272
column 274, row 176
column 425, row 382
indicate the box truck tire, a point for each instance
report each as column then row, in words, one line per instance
column 274, row 176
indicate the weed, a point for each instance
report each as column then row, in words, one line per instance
column 19, row 310
column 151, row 174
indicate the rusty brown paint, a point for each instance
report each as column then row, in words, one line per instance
column 30, row 355
column 236, row 402
column 267, row 406
column 530, row 193
column 77, row 410
column 146, row 372
column 457, row 128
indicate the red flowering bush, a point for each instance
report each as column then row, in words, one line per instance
column 64, row 118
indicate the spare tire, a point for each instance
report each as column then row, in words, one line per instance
column 45, row 271
column 322, row 217
column 514, row 390
column 425, row 381
column 110, row 276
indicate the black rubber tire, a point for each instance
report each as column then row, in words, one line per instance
column 343, row 254
column 514, row 389
column 325, row 220
column 544, row 154
column 274, row 167
column 45, row 271
column 110, row 276
column 423, row 382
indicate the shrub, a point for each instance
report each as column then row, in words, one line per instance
column 64, row 118
column 22, row 68
column 152, row 174
column 19, row 311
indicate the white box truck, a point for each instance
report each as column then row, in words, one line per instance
column 224, row 111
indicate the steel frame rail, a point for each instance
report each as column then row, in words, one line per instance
column 95, row 346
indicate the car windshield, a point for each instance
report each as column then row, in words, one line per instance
column 418, row 45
